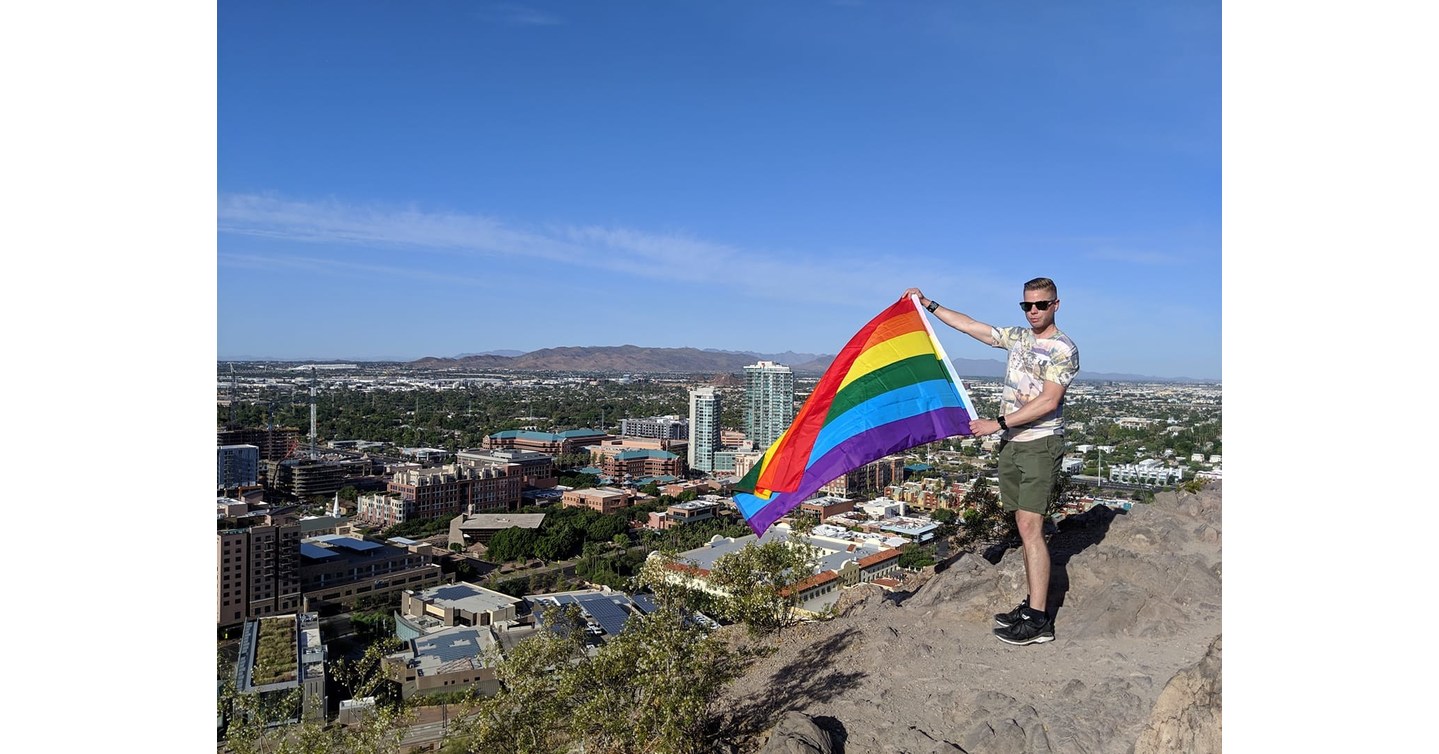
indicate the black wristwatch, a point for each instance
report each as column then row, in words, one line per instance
column 1002, row 424
column 932, row 306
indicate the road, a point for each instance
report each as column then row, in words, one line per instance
column 430, row 726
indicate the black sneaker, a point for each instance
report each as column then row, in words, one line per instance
column 1027, row 631
column 1005, row 620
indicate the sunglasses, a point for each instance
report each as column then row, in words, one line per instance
column 1041, row 305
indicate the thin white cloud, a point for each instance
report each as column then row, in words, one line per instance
column 849, row 278
column 342, row 268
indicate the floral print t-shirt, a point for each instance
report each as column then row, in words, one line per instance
column 1032, row 361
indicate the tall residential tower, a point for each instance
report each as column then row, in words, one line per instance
column 705, row 405
column 769, row 402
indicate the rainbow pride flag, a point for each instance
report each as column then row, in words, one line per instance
column 889, row 389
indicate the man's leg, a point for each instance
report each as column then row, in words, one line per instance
column 1036, row 557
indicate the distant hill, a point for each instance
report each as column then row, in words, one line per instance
column 637, row 359
column 622, row 359
column 501, row 352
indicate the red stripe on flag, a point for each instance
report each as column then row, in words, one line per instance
column 790, row 459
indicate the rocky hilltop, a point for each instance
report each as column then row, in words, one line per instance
column 1134, row 667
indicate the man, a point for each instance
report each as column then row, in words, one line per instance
column 1042, row 363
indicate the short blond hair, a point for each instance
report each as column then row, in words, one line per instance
column 1041, row 284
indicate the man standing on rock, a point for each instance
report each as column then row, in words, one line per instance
column 1042, row 363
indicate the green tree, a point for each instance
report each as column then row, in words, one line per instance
column 254, row 721
column 605, row 528
column 650, row 689
column 984, row 517
column 512, row 544
column 915, row 558
column 529, row 711
column 372, row 625
column 759, row 580
column 559, row 543
column 368, row 676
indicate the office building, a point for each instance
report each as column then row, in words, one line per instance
column 340, row 570
column 598, row 499
column 552, row 443
column 656, row 428
column 426, row 611
column 537, row 470
column 453, row 659
column 257, row 568
column 443, row 492
column 479, row 528
column 871, row 477
column 619, row 463
column 236, row 466
column 705, row 406
column 769, row 402
column 682, row 514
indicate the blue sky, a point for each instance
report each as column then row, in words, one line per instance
column 399, row 180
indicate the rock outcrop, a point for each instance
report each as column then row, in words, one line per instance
column 1187, row 716
column 1135, row 665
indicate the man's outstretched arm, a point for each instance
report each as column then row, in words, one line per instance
column 961, row 322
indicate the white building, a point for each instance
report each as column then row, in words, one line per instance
column 656, row 428
column 1150, row 472
column 882, row 507
column 704, row 426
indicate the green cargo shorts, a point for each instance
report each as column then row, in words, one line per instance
column 1027, row 471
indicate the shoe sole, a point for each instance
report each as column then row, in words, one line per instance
column 1036, row 640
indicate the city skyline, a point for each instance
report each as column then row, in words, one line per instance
column 746, row 177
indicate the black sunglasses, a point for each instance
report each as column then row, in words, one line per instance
column 1043, row 305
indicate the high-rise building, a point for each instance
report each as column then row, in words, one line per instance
column 705, row 406
column 769, row 402
column 257, row 568
column 237, row 466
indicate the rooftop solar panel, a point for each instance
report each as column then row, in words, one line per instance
column 610, row 616
column 644, row 603
column 358, row 545
column 314, row 552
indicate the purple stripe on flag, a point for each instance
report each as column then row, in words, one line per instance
column 866, row 447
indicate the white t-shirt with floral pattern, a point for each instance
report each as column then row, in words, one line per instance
column 1032, row 361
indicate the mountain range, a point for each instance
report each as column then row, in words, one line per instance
column 636, row 359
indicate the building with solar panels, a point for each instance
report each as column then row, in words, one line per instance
column 605, row 613
column 452, row 659
column 340, row 570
